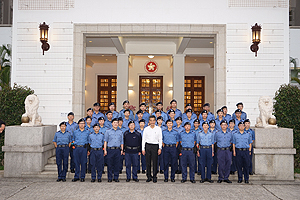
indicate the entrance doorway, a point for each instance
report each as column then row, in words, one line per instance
column 194, row 92
column 107, row 91
column 150, row 91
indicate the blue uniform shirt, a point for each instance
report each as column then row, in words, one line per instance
column 201, row 122
column 141, row 131
column 194, row 116
column 102, row 129
column 187, row 139
column 178, row 129
column 89, row 128
column 232, row 131
column 125, row 123
column 164, row 115
column 218, row 121
column 242, row 140
column 237, row 123
column 210, row 116
column 81, row 137
column 108, row 124
column 114, row 138
column 222, row 139
column 205, row 139
column 71, row 127
column 243, row 116
column 96, row 140
column 146, row 116
column 214, row 132
column 188, row 120
column 163, row 127
column 115, row 115
column 95, row 117
column 177, row 114
column 251, row 132
column 227, row 118
column 62, row 138
column 170, row 137
column 123, row 129
column 121, row 114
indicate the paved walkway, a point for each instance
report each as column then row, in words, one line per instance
column 13, row 188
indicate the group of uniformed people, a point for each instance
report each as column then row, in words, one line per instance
column 220, row 144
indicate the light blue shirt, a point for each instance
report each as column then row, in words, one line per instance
column 194, row 116
column 115, row 115
column 141, row 131
column 201, row 122
column 187, row 139
column 62, row 138
column 177, row 114
column 163, row 114
column 90, row 129
column 243, row 116
column 210, row 116
column 218, row 121
column 227, row 118
column 123, row 129
column 170, row 137
column 81, row 137
column 146, row 116
column 222, row 139
column 242, row 140
column 205, row 139
column 102, row 129
column 237, row 123
column 95, row 117
column 179, row 129
column 114, row 138
column 107, row 124
column 71, row 127
column 189, row 120
column 125, row 123
column 121, row 114
column 251, row 132
column 96, row 140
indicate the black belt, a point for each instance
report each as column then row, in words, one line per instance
column 113, row 147
column 205, row 147
column 79, row 145
column 97, row 149
column 132, row 147
column 224, row 148
column 63, row 145
column 187, row 149
column 151, row 144
column 170, row 145
column 243, row 149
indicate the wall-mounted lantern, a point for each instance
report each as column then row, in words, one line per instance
column 256, row 31
column 44, row 37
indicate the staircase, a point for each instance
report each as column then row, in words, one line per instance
column 51, row 172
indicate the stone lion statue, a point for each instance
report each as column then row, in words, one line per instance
column 31, row 106
column 265, row 105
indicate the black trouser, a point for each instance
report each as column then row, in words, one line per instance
column 151, row 154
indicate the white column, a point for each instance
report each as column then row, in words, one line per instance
column 178, row 80
column 122, row 79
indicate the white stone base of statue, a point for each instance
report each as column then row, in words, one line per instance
column 27, row 149
column 274, row 153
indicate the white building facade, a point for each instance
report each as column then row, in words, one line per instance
column 200, row 48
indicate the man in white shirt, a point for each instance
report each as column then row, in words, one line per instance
column 151, row 147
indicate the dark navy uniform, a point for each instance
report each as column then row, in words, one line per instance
column 252, row 133
column 133, row 146
column 71, row 128
column 62, row 139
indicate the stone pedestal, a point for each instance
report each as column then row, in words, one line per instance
column 27, row 149
column 274, row 153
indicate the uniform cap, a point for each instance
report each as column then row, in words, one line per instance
column 223, row 121
column 159, row 103
column 157, row 111
column 237, row 110
column 232, row 120
column 219, row 110
column 63, row 123
column 114, row 119
column 247, row 120
column 96, row 104
column 126, row 101
column 126, row 110
column 120, row 119
column 111, row 104
column 188, row 105
column 142, row 120
column 169, row 120
column 81, row 120
column 108, row 112
column 173, row 100
column 188, row 110
column 160, row 117
column 197, row 121
column 224, row 107
column 70, row 113
column 143, row 104
column 89, row 109
column 241, row 122
column 206, row 104
column 205, row 123
column 178, row 118
column 212, row 121
column 130, row 122
column 100, row 118
column 239, row 103
column 97, row 124
column 187, row 123
column 204, row 111
column 171, row 110
column 139, row 111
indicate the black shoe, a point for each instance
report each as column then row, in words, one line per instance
column 138, row 171
column 213, row 172
column 166, row 180
column 161, row 171
column 251, row 173
column 179, row 172
column 127, row 180
column 199, row 173
column 183, row 181
column 99, row 180
column 172, row 180
column 232, row 172
column 89, row 171
column 93, row 180
column 239, row 181
column 148, row 180
column 58, row 180
column 143, row 171
column 103, row 172
column 227, row 181
column 120, row 172
column 246, row 181
column 193, row 181
column 75, row 179
column 136, row 180
column 63, row 180
column 82, row 180
column 72, row 170
column 196, row 172
column 109, row 180
column 201, row 181
column 154, row 180
column 206, row 179
column 117, row 180
column 176, row 172
column 210, row 181
column 219, row 181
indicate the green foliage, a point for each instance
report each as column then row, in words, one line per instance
column 12, row 103
column 287, row 113
column 5, row 64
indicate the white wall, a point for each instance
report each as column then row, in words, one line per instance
column 5, row 35
column 137, row 70
column 203, row 69
column 91, row 81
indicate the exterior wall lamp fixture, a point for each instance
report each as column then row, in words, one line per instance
column 256, row 31
column 44, row 36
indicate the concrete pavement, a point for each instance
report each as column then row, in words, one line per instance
column 26, row 188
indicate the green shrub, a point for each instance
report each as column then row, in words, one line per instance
column 12, row 103
column 287, row 113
